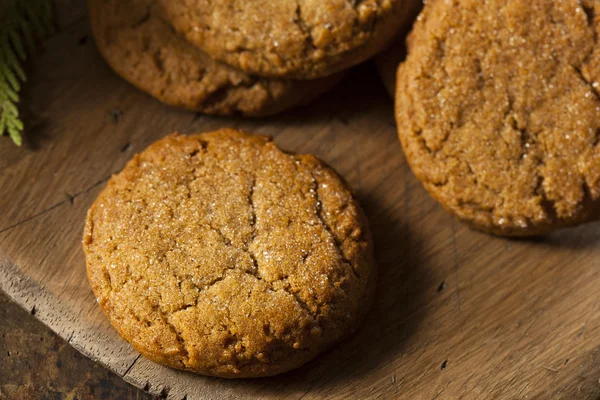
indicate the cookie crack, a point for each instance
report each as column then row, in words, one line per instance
column 526, row 138
column 299, row 21
column 357, row 28
column 252, row 226
column 548, row 205
column 252, row 208
column 440, row 184
column 217, row 96
column 328, row 228
column 476, row 207
column 144, row 19
column 234, row 337
column 419, row 134
column 355, row 3
column 484, row 185
column 590, row 13
column 202, row 288
column 287, row 289
column 304, row 305
column 271, row 284
column 178, row 335
column 589, row 84
column 158, row 60
column 225, row 94
column 226, row 241
column 243, row 250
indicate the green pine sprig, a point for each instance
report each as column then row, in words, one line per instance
column 22, row 22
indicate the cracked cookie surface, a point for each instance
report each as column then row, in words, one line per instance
column 304, row 39
column 143, row 49
column 220, row 254
column 498, row 111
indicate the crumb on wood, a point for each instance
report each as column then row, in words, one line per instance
column 441, row 287
column 444, row 365
column 70, row 198
column 126, row 147
column 115, row 114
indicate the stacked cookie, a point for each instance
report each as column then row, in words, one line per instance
column 498, row 111
column 218, row 253
column 251, row 58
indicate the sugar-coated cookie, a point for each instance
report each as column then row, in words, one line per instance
column 220, row 254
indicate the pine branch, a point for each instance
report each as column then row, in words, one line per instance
column 22, row 23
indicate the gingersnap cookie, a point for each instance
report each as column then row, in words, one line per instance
column 143, row 49
column 289, row 38
column 220, row 254
column 498, row 111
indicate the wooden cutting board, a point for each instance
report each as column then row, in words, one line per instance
column 459, row 314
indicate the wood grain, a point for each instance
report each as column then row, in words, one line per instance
column 459, row 314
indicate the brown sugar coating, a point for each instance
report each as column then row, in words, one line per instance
column 304, row 39
column 220, row 254
column 498, row 111
column 143, row 49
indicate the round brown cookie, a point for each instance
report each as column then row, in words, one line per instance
column 498, row 111
column 387, row 61
column 220, row 254
column 144, row 50
column 303, row 39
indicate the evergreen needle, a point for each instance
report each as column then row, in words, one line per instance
column 21, row 22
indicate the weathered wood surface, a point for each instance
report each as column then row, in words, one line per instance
column 459, row 314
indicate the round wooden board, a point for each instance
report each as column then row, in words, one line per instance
column 459, row 314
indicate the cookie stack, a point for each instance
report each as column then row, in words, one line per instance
column 218, row 253
column 243, row 57
column 498, row 111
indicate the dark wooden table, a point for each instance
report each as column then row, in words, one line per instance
column 35, row 363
